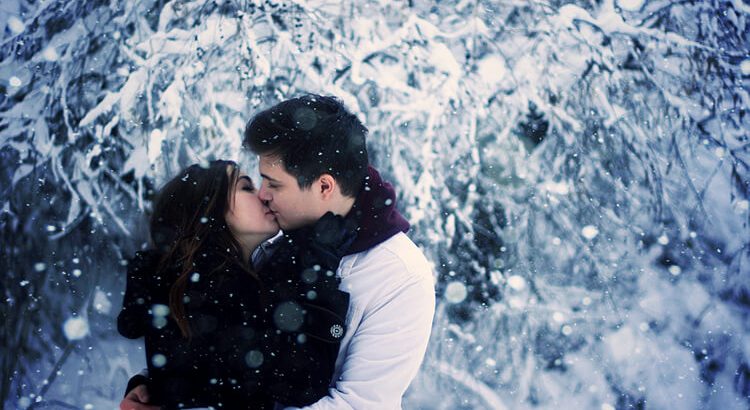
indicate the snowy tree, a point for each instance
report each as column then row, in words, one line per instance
column 579, row 174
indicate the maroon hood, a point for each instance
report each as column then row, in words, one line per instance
column 376, row 214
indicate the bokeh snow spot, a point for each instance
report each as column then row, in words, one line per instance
column 24, row 402
column 517, row 282
column 158, row 360
column 102, row 303
column 160, row 310
column 76, row 328
column 741, row 206
column 254, row 359
column 288, row 316
column 558, row 317
column 745, row 67
column 589, row 232
column 50, row 54
column 455, row 292
column 16, row 25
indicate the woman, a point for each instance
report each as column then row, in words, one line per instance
column 218, row 333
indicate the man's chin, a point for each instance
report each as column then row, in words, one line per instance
column 288, row 226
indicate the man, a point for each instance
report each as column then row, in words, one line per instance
column 313, row 160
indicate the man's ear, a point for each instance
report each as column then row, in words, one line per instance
column 327, row 185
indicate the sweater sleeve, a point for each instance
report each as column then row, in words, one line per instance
column 385, row 351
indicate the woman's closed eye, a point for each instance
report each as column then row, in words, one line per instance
column 246, row 184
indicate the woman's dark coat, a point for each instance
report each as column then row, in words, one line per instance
column 254, row 342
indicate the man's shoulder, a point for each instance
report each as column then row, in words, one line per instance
column 397, row 255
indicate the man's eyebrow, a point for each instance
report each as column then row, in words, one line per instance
column 269, row 178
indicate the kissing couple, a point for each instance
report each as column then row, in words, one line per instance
column 301, row 290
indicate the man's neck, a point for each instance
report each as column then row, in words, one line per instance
column 344, row 206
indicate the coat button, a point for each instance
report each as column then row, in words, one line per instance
column 337, row 331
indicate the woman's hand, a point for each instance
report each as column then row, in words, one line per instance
column 137, row 399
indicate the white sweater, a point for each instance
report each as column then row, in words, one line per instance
column 392, row 303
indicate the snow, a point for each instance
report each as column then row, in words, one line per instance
column 560, row 188
column 158, row 360
column 16, row 25
column 24, row 402
column 50, row 54
column 254, row 358
column 630, row 5
column 741, row 206
column 102, row 304
column 455, row 292
column 491, row 70
column 288, row 316
column 76, row 328
column 745, row 67
column 154, row 147
column 488, row 396
column 558, row 317
column 591, row 267
column 160, row 310
column 517, row 283
column 675, row 381
column 589, row 232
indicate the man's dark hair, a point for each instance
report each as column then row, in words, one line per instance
column 313, row 135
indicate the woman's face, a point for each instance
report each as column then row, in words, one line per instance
column 247, row 216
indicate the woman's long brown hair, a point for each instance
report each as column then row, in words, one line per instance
column 189, row 214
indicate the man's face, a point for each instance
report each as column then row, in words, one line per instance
column 292, row 206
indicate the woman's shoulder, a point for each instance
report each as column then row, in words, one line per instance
column 144, row 260
column 220, row 273
column 144, row 267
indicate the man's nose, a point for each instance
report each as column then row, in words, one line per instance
column 263, row 194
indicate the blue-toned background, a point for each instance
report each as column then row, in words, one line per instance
column 578, row 173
